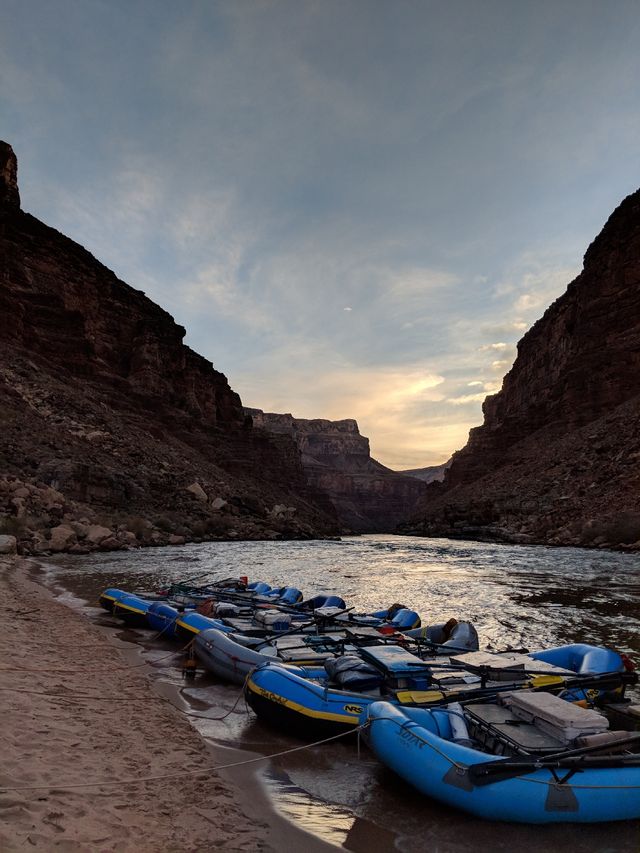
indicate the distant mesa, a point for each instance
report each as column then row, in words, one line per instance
column 367, row 496
column 557, row 458
column 114, row 433
column 432, row 474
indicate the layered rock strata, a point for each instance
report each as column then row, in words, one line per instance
column 557, row 458
column 367, row 496
column 109, row 420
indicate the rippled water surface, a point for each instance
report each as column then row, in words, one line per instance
column 516, row 596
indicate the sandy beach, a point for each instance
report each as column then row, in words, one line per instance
column 53, row 662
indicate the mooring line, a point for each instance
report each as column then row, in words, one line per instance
column 185, row 772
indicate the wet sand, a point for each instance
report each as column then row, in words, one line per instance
column 75, row 710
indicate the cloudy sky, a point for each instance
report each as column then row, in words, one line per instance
column 355, row 207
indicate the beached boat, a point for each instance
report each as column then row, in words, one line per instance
column 333, row 704
column 188, row 594
column 225, row 655
column 232, row 657
column 527, row 758
column 314, row 708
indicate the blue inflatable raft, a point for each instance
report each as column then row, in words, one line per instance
column 568, row 784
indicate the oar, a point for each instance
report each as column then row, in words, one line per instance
column 587, row 750
column 433, row 645
column 443, row 697
column 190, row 581
column 485, row 772
column 193, row 580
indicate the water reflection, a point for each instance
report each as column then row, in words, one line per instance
column 516, row 596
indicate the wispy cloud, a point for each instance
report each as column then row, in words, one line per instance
column 354, row 214
column 533, row 281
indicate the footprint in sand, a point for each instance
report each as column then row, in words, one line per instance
column 51, row 820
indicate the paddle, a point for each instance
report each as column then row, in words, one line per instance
column 442, row 697
column 433, row 645
column 488, row 772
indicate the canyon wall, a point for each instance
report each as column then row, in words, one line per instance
column 367, row 496
column 108, row 420
column 557, row 457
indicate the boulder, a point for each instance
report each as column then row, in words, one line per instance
column 110, row 544
column 81, row 529
column 38, row 544
column 52, row 498
column 218, row 504
column 62, row 538
column 8, row 545
column 198, row 492
column 96, row 534
column 19, row 507
column 281, row 511
column 174, row 539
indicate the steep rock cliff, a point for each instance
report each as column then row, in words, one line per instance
column 367, row 496
column 556, row 459
column 103, row 403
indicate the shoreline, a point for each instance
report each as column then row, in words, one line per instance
column 19, row 550
column 126, row 732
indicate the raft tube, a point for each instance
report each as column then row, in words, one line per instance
column 233, row 661
column 162, row 618
column 109, row 597
column 584, row 659
column 191, row 623
column 463, row 638
column 133, row 610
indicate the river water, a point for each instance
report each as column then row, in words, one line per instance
column 529, row 597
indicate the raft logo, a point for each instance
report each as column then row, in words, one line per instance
column 273, row 697
column 353, row 709
column 413, row 740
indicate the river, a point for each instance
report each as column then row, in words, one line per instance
column 529, row 597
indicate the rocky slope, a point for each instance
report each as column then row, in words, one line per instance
column 367, row 496
column 109, row 421
column 557, row 458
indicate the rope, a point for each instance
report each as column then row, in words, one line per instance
column 553, row 784
column 73, row 696
column 205, row 716
column 100, row 668
column 184, row 772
